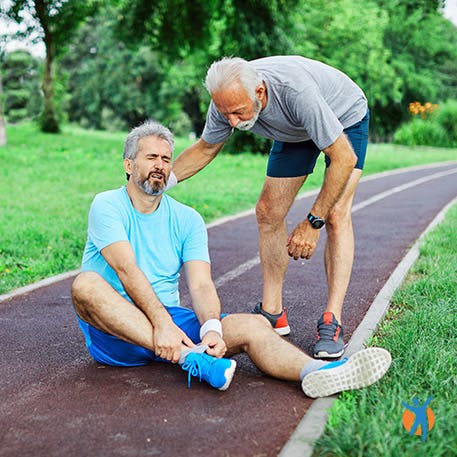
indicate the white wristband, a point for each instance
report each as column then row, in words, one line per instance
column 211, row 325
column 172, row 181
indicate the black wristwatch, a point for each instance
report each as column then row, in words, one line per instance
column 316, row 221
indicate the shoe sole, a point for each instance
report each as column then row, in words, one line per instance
column 229, row 372
column 283, row 331
column 361, row 370
column 327, row 355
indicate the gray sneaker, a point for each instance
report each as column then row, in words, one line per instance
column 279, row 321
column 362, row 369
column 330, row 343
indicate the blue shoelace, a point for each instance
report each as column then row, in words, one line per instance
column 193, row 367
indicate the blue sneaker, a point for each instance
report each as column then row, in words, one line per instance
column 216, row 372
column 362, row 369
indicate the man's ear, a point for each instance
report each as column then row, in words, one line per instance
column 128, row 166
column 260, row 91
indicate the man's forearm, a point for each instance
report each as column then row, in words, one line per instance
column 336, row 178
column 205, row 302
column 140, row 291
column 194, row 158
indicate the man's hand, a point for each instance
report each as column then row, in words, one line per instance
column 303, row 241
column 216, row 345
column 168, row 341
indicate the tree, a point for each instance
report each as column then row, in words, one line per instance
column 2, row 118
column 55, row 23
column 189, row 35
column 423, row 49
column 110, row 86
column 21, row 86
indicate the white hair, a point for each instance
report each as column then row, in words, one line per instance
column 147, row 128
column 229, row 70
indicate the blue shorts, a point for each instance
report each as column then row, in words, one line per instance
column 289, row 160
column 111, row 350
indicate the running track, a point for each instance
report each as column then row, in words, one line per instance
column 56, row 402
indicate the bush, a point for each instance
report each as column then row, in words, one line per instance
column 247, row 142
column 421, row 132
column 438, row 129
column 446, row 116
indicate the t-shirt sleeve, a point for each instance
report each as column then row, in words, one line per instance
column 195, row 245
column 105, row 225
column 318, row 119
column 217, row 129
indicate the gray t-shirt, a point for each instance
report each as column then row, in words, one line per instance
column 306, row 99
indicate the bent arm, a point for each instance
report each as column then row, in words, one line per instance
column 121, row 258
column 194, row 158
column 205, row 300
column 343, row 160
column 206, row 303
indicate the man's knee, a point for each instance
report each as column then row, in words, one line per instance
column 267, row 213
column 339, row 219
column 83, row 287
column 246, row 327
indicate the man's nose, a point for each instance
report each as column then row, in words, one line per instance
column 233, row 120
column 159, row 164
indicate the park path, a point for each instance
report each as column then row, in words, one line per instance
column 55, row 401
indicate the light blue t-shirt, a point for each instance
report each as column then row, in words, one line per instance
column 162, row 241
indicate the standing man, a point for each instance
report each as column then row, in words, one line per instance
column 127, row 300
column 306, row 107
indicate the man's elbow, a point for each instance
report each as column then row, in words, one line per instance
column 126, row 270
column 341, row 152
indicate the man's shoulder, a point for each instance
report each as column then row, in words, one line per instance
column 181, row 210
column 176, row 205
column 109, row 195
column 109, row 199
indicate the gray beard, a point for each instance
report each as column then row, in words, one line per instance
column 247, row 125
column 151, row 189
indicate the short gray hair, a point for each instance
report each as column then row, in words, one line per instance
column 147, row 128
column 229, row 70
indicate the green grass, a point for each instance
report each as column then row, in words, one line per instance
column 47, row 183
column 419, row 331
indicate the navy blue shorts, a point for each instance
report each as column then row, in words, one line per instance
column 111, row 350
column 289, row 160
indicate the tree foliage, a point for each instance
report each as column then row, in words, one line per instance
column 55, row 23
column 137, row 59
column 21, row 87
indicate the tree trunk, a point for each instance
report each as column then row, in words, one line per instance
column 2, row 119
column 49, row 121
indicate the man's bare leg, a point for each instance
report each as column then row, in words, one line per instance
column 339, row 249
column 280, row 359
column 339, row 257
column 274, row 203
column 98, row 304
column 272, row 354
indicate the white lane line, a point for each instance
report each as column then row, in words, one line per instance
column 251, row 263
column 238, row 271
column 397, row 189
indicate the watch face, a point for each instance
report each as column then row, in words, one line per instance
column 318, row 223
column 315, row 221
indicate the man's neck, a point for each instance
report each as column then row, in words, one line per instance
column 141, row 201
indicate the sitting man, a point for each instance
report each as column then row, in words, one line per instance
column 127, row 301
